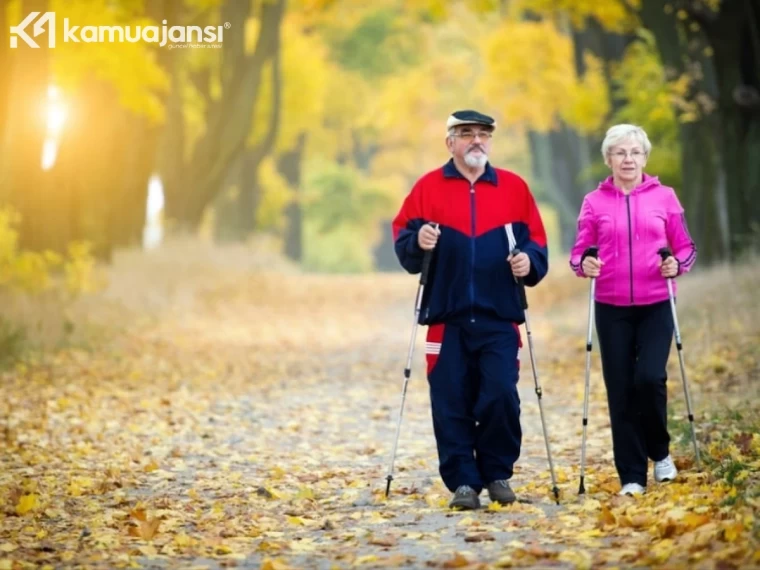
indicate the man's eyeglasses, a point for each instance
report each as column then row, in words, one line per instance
column 471, row 135
column 634, row 154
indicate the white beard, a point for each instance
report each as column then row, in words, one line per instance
column 474, row 161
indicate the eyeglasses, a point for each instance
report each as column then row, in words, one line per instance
column 634, row 154
column 471, row 135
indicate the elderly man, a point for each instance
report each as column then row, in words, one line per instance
column 465, row 211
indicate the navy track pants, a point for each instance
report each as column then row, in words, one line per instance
column 473, row 371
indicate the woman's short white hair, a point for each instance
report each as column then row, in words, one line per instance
column 623, row 132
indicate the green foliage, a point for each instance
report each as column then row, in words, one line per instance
column 341, row 212
column 338, row 195
column 12, row 342
column 340, row 251
column 379, row 45
column 275, row 196
column 640, row 81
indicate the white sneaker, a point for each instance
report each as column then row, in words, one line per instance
column 632, row 489
column 665, row 470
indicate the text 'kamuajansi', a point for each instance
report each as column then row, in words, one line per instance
column 161, row 35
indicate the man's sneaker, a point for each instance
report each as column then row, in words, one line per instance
column 665, row 470
column 632, row 489
column 501, row 492
column 465, row 498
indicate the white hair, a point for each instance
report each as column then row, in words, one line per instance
column 619, row 133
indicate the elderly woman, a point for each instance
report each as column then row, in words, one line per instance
column 630, row 217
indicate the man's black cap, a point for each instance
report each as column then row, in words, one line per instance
column 469, row 117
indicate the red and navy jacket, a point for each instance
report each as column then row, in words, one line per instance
column 469, row 273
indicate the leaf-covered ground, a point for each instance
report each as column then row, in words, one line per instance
column 247, row 422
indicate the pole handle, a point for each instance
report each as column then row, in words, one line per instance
column 520, row 285
column 664, row 253
column 592, row 251
column 426, row 261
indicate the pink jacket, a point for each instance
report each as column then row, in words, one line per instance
column 629, row 230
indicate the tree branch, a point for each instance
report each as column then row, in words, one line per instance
column 227, row 132
column 629, row 8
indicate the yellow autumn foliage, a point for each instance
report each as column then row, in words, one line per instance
column 613, row 15
column 305, row 74
column 275, row 195
column 33, row 272
column 531, row 73
column 130, row 68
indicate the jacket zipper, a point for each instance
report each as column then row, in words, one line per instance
column 630, row 241
column 472, row 251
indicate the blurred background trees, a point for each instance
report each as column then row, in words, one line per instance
column 312, row 119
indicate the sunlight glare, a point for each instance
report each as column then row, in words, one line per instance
column 153, row 231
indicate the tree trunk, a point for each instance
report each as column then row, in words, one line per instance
column 363, row 150
column 26, row 184
column 702, row 161
column 564, row 156
column 5, row 76
column 702, row 186
column 553, row 185
column 608, row 46
column 128, row 208
column 290, row 165
column 228, row 120
column 734, row 36
column 250, row 195
column 90, row 171
column 170, row 156
column 239, row 215
column 226, row 205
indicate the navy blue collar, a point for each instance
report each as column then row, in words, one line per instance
column 489, row 174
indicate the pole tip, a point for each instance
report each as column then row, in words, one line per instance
column 389, row 478
column 556, row 494
column 582, row 488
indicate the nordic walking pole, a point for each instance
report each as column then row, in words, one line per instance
column 524, row 303
column 590, row 252
column 408, row 370
column 664, row 254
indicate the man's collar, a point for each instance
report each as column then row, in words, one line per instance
column 489, row 174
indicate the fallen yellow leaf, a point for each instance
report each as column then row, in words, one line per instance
column 606, row 517
column 692, row 521
column 458, row 561
column 274, row 564
column 733, row 532
column 591, row 505
column 579, row 558
column 183, row 540
column 27, row 503
column 146, row 529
